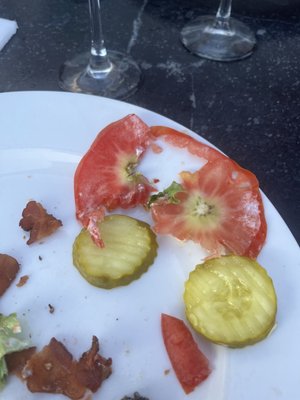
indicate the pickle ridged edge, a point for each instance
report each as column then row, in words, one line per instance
column 104, row 280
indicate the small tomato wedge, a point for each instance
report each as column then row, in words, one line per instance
column 106, row 176
column 189, row 363
column 218, row 206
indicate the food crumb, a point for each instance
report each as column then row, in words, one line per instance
column 136, row 396
column 156, row 148
column 22, row 280
column 51, row 308
column 167, row 371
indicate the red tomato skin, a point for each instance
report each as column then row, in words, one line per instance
column 190, row 365
column 101, row 178
column 182, row 140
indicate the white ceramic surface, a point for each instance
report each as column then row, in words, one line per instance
column 42, row 137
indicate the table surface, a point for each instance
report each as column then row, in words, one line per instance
column 249, row 109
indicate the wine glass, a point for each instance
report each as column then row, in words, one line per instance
column 220, row 37
column 100, row 71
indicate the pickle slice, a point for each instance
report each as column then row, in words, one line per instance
column 130, row 249
column 231, row 300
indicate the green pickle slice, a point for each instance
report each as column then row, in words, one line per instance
column 130, row 249
column 231, row 301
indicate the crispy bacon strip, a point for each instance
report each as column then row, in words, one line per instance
column 50, row 371
column 38, row 222
column 9, row 268
column 16, row 361
column 92, row 369
column 53, row 370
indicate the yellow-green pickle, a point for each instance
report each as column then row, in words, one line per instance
column 130, row 249
column 231, row 300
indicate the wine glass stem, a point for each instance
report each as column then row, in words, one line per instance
column 223, row 14
column 99, row 62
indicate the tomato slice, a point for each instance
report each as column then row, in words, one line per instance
column 182, row 140
column 219, row 206
column 189, row 363
column 106, row 179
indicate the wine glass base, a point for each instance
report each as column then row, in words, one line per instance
column 119, row 82
column 205, row 38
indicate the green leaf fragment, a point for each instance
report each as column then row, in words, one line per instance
column 3, row 372
column 10, row 341
column 168, row 194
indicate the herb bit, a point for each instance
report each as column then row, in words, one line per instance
column 168, row 194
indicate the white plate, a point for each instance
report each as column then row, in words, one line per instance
column 43, row 135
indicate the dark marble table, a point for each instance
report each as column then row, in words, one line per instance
column 249, row 109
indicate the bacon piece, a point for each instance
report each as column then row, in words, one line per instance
column 53, row 370
column 92, row 369
column 50, row 371
column 9, row 268
column 16, row 361
column 38, row 222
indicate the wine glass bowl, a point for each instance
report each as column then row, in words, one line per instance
column 220, row 37
column 100, row 71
